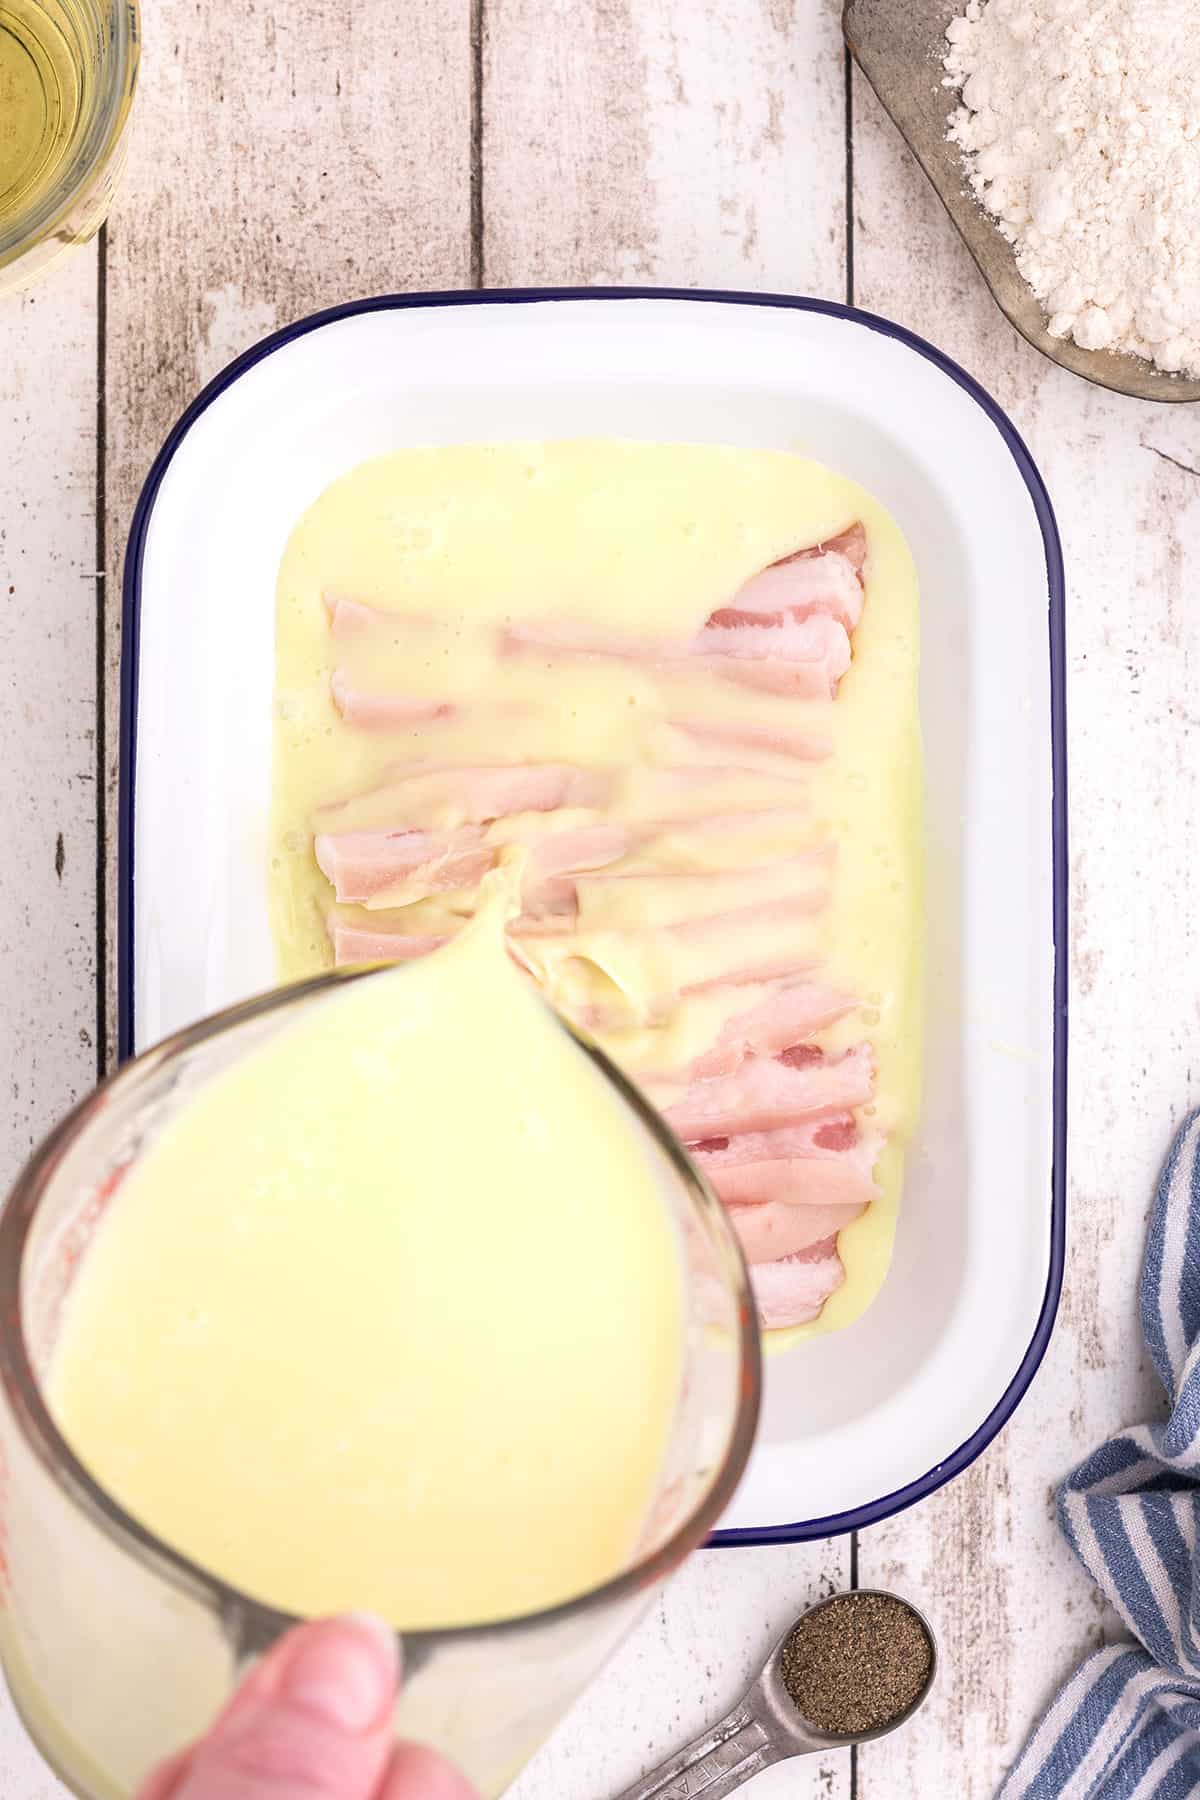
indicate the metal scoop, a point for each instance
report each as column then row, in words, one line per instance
column 899, row 45
column 763, row 1728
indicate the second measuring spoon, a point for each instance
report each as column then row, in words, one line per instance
column 766, row 1727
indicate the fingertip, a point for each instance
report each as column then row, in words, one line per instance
column 324, row 1639
column 415, row 1770
column 343, row 1671
column 378, row 1632
column 162, row 1782
column 315, row 1718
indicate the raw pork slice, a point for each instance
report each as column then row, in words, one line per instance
column 788, row 1014
column 802, row 657
column 772, row 1231
column 384, row 712
column 754, row 735
column 547, row 883
column 361, row 944
column 401, row 866
column 769, row 1093
column 652, row 899
column 793, row 1290
column 800, row 1183
column 828, row 1161
column 822, row 579
column 451, row 794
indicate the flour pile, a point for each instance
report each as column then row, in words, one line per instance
column 1080, row 128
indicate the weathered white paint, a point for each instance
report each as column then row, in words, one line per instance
column 677, row 142
column 48, row 660
column 48, row 600
column 287, row 162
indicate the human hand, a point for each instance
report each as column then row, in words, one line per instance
column 313, row 1721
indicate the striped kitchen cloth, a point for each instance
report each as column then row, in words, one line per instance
column 1127, row 1724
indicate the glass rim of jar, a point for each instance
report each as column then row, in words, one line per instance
column 258, row 1623
column 91, row 155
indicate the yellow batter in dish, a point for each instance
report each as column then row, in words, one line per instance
column 443, row 612
column 391, row 1315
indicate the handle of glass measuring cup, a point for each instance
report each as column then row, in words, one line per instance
column 745, row 1741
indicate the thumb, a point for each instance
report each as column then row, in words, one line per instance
column 312, row 1722
column 416, row 1773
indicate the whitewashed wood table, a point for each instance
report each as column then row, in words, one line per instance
column 286, row 158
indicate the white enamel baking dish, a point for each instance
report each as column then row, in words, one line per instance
column 862, row 1422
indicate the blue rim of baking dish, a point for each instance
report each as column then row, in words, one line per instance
column 877, row 1510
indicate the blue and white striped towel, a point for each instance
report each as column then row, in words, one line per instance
column 1127, row 1724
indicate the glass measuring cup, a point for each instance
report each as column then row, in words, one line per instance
column 118, row 1650
column 67, row 74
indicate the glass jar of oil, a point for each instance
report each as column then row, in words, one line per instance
column 67, row 74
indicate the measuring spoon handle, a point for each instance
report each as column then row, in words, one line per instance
column 717, row 1762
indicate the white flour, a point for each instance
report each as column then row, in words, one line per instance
column 1080, row 126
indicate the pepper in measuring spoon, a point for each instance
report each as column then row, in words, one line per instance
column 856, row 1663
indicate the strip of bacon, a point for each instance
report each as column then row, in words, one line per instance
column 687, row 794
column 349, row 618
column 672, row 848
column 823, row 579
column 796, row 1181
column 733, row 936
column 651, row 853
column 752, row 735
column 786, row 629
column 774, row 1230
column 824, row 1134
column 770, row 1093
column 802, row 657
column 401, row 866
column 851, row 543
column 793, row 1290
column 739, row 920
column 646, row 972
column 547, row 884
column 355, row 944
column 827, row 1158
column 697, row 955
column 384, row 712
column 369, row 709
column 576, row 637
column 656, row 899
column 786, row 1015
column 451, row 794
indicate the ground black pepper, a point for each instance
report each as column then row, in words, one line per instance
column 856, row 1663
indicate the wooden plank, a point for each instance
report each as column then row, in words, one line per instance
column 1015, row 1611
column 293, row 158
column 685, row 142
column 48, row 605
column 688, row 143
column 48, row 655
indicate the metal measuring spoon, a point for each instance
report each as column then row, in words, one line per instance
column 763, row 1728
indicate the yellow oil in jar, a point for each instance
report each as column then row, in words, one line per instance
column 41, row 98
